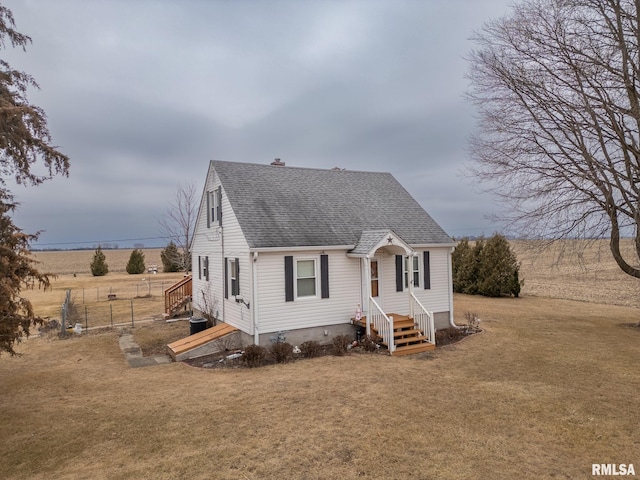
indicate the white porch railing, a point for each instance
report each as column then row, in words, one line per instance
column 382, row 323
column 423, row 318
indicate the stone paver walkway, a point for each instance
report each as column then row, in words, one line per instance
column 133, row 354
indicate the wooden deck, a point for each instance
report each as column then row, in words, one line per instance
column 198, row 339
column 406, row 337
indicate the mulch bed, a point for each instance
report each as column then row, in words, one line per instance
column 232, row 359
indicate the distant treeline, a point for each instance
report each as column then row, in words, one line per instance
column 103, row 246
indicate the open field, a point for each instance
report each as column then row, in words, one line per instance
column 577, row 270
column 548, row 388
column 77, row 261
column 90, row 294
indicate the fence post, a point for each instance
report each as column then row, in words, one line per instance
column 111, row 313
column 83, row 296
column 63, row 319
column 64, row 312
column 97, row 294
column 132, row 313
column 86, row 320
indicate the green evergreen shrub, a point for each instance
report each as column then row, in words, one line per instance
column 498, row 267
column 489, row 268
column 464, row 268
column 171, row 258
column 136, row 262
column 99, row 265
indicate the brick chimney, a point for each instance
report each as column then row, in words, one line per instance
column 277, row 163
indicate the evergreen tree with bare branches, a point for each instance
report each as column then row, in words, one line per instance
column 24, row 144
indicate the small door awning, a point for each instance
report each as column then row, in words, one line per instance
column 373, row 240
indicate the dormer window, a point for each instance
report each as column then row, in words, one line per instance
column 214, row 207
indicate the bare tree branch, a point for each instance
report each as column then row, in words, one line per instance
column 179, row 222
column 556, row 84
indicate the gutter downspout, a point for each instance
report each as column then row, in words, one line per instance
column 254, row 299
column 224, row 279
column 450, row 273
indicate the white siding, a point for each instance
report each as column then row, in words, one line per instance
column 276, row 314
column 435, row 299
column 273, row 312
column 218, row 243
column 345, row 284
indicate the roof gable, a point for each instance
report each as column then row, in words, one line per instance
column 288, row 207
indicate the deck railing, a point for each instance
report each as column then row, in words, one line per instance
column 382, row 323
column 423, row 318
column 176, row 295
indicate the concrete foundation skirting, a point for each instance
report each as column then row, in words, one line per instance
column 323, row 335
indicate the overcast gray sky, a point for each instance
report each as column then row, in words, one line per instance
column 141, row 94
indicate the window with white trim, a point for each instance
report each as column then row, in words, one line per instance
column 205, row 268
column 306, row 278
column 213, row 207
column 233, row 276
column 411, row 271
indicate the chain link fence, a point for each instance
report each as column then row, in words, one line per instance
column 112, row 306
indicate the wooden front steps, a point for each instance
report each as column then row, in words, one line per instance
column 177, row 296
column 406, row 337
column 179, row 349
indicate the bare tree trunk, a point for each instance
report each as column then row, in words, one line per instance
column 556, row 87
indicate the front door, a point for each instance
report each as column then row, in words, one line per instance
column 375, row 279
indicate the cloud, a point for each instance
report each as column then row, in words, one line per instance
column 141, row 95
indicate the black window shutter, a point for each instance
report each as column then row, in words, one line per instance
column 288, row 278
column 219, row 205
column 427, row 271
column 237, row 292
column 226, row 277
column 206, row 266
column 324, row 276
column 199, row 267
column 208, row 210
column 399, row 274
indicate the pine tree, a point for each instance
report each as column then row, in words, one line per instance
column 25, row 143
column 99, row 265
column 498, row 267
column 489, row 268
column 463, row 267
column 136, row 262
column 171, row 258
column 16, row 271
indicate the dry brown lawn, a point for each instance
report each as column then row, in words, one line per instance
column 550, row 387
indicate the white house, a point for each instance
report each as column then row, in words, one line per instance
column 302, row 251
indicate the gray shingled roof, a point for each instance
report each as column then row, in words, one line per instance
column 289, row 207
